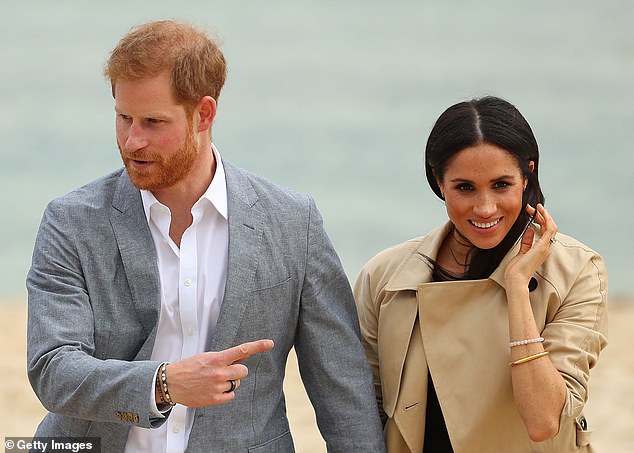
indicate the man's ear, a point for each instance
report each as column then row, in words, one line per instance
column 206, row 111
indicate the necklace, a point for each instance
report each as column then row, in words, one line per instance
column 460, row 257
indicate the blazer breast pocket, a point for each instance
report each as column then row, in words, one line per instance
column 271, row 285
column 275, row 306
column 271, row 277
column 274, row 293
column 270, row 274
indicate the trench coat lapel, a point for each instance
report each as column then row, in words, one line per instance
column 465, row 333
column 404, row 363
column 462, row 322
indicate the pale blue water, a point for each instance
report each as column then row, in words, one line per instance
column 336, row 99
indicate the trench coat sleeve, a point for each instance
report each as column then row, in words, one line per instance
column 576, row 332
column 365, row 297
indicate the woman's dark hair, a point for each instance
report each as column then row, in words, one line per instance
column 485, row 120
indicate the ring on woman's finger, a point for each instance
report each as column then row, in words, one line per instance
column 553, row 239
column 233, row 386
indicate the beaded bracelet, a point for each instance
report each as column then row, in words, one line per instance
column 527, row 341
column 164, row 391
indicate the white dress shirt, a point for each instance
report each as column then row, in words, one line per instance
column 193, row 282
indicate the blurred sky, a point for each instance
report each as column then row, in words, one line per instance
column 336, row 99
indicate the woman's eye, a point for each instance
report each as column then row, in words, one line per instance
column 464, row 187
column 501, row 185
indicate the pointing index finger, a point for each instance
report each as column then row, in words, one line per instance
column 245, row 350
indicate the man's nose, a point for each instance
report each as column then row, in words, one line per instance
column 136, row 139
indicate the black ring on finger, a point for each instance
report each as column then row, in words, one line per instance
column 233, row 386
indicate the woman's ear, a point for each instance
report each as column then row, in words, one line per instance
column 531, row 167
column 433, row 170
column 442, row 194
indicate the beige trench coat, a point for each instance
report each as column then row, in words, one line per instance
column 459, row 332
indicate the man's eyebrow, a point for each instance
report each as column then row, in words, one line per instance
column 157, row 115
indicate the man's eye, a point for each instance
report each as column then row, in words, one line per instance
column 154, row 121
column 124, row 117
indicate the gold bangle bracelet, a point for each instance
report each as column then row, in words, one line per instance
column 529, row 358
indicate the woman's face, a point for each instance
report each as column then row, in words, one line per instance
column 483, row 189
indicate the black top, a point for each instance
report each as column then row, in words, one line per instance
column 436, row 436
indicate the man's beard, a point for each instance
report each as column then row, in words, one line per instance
column 165, row 171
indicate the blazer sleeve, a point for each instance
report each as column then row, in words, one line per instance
column 66, row 369
column 331, row 360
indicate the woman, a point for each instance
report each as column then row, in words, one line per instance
column 481, row 334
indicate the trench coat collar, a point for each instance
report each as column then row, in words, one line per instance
column 415, row 270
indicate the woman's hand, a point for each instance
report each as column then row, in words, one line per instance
column 539, row 389
column 532, row 254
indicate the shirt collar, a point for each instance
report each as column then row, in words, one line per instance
column 216, row 193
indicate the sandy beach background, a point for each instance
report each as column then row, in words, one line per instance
column 610, row 410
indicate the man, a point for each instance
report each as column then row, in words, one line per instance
column 165, row 297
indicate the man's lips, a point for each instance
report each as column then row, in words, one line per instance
column 137, row 163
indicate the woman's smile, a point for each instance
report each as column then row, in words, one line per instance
column 485, row 225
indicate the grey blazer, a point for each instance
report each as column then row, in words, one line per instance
column 94, row 302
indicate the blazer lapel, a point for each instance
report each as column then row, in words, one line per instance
column 246, row 224
column 138, row 255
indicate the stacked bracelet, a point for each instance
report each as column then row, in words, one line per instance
column 529, row 358
column 162, row 386
column 527, row 341
column 159, row 388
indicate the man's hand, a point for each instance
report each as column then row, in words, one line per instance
column 205, row 379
